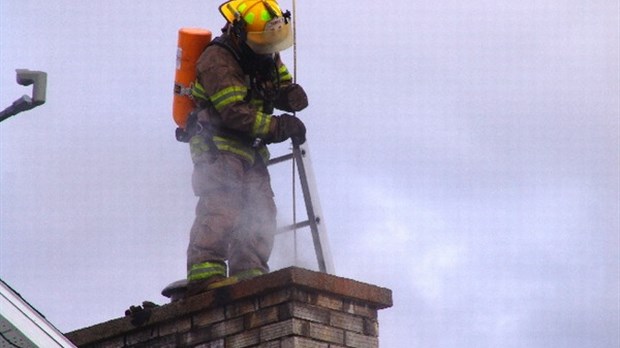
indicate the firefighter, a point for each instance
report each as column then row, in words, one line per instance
column 240, row 81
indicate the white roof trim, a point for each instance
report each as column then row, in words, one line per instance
column 29, row 321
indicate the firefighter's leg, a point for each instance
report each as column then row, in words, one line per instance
column 253, row 241
column 219, row 185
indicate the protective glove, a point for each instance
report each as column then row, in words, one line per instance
column 292, row 98
column 288, row 126
column 139, row 315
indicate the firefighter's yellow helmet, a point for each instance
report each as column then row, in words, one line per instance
column 267, row 28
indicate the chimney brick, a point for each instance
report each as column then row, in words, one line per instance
column 289, row 308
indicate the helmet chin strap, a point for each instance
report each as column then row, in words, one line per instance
column 237, row 33
column 238, row 28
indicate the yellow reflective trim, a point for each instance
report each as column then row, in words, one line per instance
column 261, row 125
column 284, row 73
column 227, row 96
column 246, row 151
column 257, row 103
column 236, row 147
column 197, row 91
column 206, row 270
column 197, row 147
column 248, row 274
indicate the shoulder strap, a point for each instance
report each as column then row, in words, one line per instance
column 224, row 43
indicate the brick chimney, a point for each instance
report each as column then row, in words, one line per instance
column 289, row 308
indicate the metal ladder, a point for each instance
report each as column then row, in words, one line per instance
column 301, row 155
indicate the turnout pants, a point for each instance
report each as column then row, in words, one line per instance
column 235, row 215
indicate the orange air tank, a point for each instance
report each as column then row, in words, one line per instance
column 191, row 43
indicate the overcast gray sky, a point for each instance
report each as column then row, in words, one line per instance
column 466, row 155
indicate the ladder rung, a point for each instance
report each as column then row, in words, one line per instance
column 293, row 226
column 280, row 159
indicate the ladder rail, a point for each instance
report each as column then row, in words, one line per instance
column 313, row 208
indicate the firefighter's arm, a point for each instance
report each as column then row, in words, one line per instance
column 291, row 96
column 224, row 83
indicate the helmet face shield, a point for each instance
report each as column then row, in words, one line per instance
column 276, row 37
